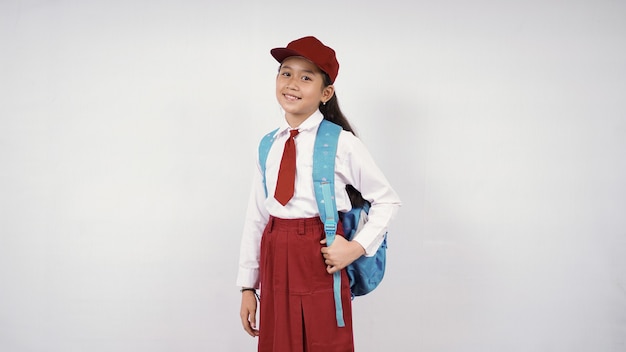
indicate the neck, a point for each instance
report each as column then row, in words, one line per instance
column 294, row 120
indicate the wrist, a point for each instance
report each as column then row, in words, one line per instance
column 249, row 291
column 358, row 248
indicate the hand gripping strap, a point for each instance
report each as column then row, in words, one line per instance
column 324, row 153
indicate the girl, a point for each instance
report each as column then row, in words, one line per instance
column 283, row 247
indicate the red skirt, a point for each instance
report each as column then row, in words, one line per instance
column 297, row 309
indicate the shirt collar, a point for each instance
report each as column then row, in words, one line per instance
column 311, row 122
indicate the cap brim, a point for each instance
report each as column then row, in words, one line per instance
column 281, row 54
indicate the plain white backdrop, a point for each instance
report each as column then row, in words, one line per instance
column 127, row 141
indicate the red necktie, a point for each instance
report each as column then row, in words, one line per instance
column 287, row 171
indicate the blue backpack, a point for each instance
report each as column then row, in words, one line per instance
column 364, row 273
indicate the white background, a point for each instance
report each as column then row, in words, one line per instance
column 127, row 141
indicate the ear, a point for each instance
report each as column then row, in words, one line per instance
column 327, row 93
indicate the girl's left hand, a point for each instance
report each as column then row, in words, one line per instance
column 341, row 253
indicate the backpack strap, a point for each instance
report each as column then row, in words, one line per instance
column 264, row 149
column 324, row 152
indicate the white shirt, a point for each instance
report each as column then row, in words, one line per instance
column 353, row 165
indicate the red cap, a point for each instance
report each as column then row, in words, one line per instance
column 313, row 50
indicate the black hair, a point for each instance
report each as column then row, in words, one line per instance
column 331, row 110
column 332, row 113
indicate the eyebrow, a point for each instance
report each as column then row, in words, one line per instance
column 291, row 68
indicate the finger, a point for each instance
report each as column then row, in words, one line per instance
column 246, row 325
column 253, row 321
column 331, row 269
column 249, row 330
column 252, row 331
column 323, row 241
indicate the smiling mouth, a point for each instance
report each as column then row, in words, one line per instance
column 291, row 97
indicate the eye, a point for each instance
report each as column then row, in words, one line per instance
column 286, row 74
column 306, row 78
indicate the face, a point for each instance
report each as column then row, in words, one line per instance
column 300, row 89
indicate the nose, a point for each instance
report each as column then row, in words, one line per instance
column 292, row 83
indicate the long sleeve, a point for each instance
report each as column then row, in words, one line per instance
column 357, row 167
column 255, row 220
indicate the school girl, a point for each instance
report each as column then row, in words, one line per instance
column 283, row 248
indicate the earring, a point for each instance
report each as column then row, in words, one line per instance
column 323, row 103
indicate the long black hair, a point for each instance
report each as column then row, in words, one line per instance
column 331, row 110
column 332, row 113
